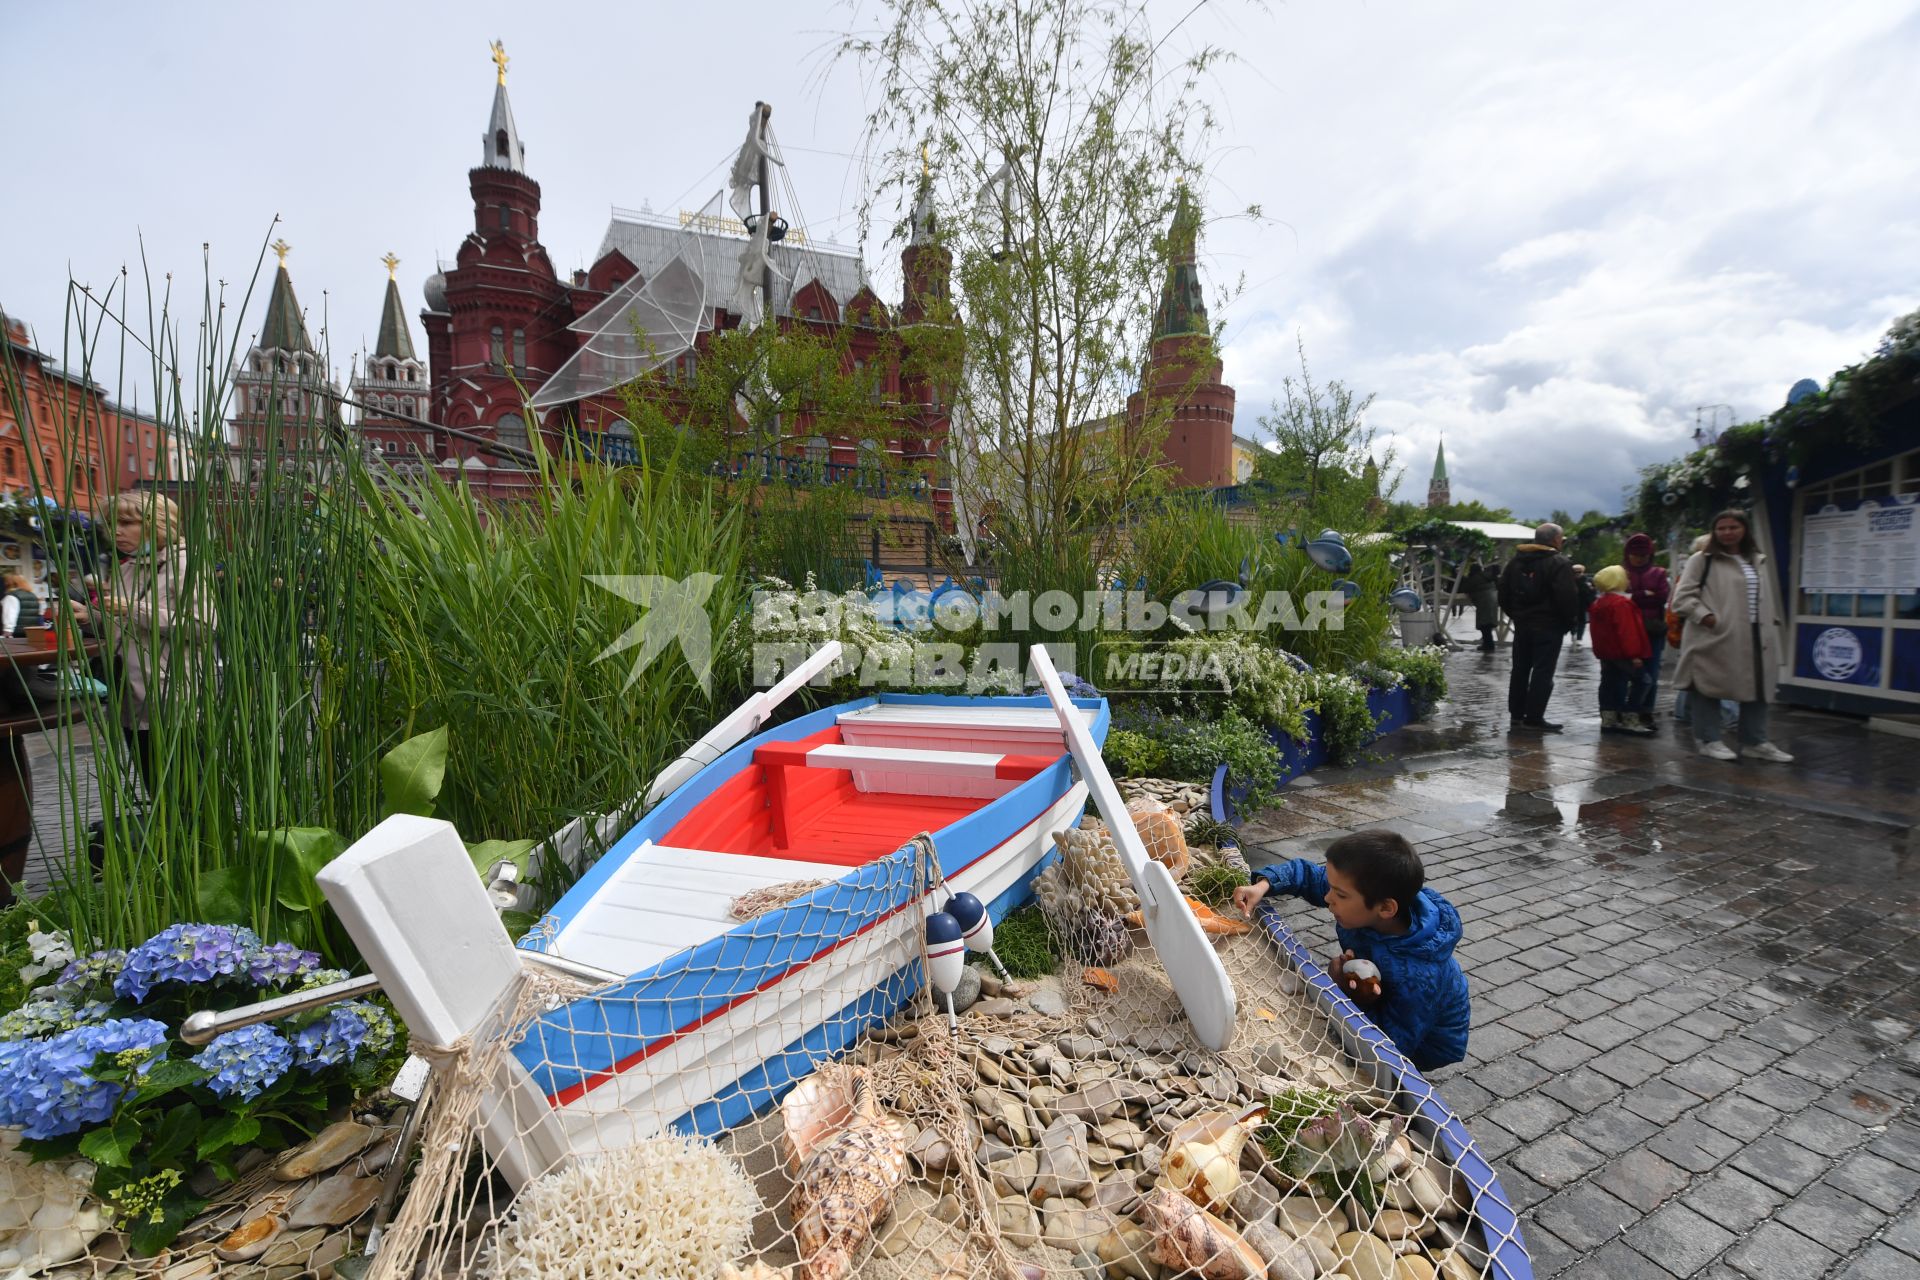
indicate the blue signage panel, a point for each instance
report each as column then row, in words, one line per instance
column 1906, row 661
column 1840, row 655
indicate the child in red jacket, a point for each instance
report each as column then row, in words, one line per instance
column 1620, row 642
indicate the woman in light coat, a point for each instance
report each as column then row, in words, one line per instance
column 1729, row 648
column 155, row 626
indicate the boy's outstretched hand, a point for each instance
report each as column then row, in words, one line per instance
column 1248, row 896
column 1364, row 992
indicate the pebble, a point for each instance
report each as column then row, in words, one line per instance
column 997, row 1007
column 1079, row 1046
column 250, row 1239
column 1116, row 1194
column 1014, row 1175
column 334, row 1202
column 1291, row 983
column 989, row 984
column 1089, row 1267
column 1048, row 1002
column 1106, row 1099
column 1070, row 1226
column 967, row 993
column 332, row 1146
column 1127, row 1250
column 932, row 1152
column 1367, row 1257
column 1065, row 1169
column 1019, row 1225
column 1414, row 1267
column 1256, row 1200
column 1287, row 1258
column 1451, row 1266
column 1121, row 1135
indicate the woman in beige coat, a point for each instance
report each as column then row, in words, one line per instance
column 155, row 625
column 1728, row 650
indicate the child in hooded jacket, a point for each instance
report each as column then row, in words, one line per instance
column 1374, row 885
column 1620, row 642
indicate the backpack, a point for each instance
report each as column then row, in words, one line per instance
column 1529, row 585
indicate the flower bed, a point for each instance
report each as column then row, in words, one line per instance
column 1391, row 708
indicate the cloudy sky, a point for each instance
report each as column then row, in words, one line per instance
column 1546, row 231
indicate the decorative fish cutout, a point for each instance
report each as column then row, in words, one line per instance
column 848, row 1185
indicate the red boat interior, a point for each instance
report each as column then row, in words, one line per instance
column 780, row 806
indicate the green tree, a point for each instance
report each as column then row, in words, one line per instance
column 1322, row 435
column 1045, row 144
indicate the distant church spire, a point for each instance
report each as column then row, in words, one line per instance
column 394, row 341
column 501, row 146
column 1439, row 492
column 284, row 328
column 1183, row 305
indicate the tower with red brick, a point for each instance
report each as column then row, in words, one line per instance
column 1182, row 375
column 390, row 392
column 496, row 323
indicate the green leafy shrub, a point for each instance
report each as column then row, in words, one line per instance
column 1133, row 755
column 1424, row 673
column 1196, row 748
column 1347, row 725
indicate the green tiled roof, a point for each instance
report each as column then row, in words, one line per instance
column 395, row 342
column 1440, row 462
column 284, row 330
column 1183, row 305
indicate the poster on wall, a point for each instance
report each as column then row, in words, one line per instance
column 1869, row 547
column 1838, row 655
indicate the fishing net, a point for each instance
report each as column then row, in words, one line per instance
column 834, row 1123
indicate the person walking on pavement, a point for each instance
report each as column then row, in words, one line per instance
column 1540, row 594
column 1588, row 594
column 1482, row 586
column 1729, row 647
column 1648, row 588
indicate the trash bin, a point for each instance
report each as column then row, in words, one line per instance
column 1416, row 629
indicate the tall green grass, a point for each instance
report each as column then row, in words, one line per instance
column 491, row 624
column 266, row 719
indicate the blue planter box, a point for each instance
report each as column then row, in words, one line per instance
column 1392, row 709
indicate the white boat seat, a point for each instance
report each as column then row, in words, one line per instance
column 964, row 764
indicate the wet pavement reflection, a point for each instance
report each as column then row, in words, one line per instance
column 1696, row 984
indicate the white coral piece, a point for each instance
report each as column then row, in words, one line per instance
column 667, row 1206
column 47, row 1211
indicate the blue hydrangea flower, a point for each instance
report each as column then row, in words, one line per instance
column 279, row 963
column 89, row 971
column 246, row 1062
column 193, row 953
column 321, row 978
column 339, row 1037
column 46, row 1087
column 47, row 1015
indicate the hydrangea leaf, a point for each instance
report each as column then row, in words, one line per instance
column 411, row 773
column 174, row 1134
column 112, row 1146
column 228, row 1130
column 166, row 1076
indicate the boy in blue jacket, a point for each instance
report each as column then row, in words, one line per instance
column 1373, row 884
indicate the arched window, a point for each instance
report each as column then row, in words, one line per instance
column 520, row 349
column 93, row 479
column 818, row 451
column 406, row 406
column 511, row 430
column 500, row 143
column 6, row 456
column 506, row 218
column 499, row 352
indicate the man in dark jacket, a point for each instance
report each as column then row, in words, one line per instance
column 1541, row 594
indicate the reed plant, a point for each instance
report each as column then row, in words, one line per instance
column 499, row 623
column 262, row 695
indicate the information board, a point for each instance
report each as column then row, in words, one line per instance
column 1868, row 547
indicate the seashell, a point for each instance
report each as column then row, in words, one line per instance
column 847, row 1184
column 1187, row 1237
column 1165, row 842
column 1100, row 980
column 250, row 1239
column 1203, row 1155
column 756, row 1271
column 817, row 1108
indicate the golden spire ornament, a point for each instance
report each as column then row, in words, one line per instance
column 281, row 248
column 393, row 265
column 500, row 59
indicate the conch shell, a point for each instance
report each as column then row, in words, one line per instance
column 756, row 1271
column 1165, row 842
column 816, row 1110
column 1203, row 1155
column 1187, row 1237
column 846, row 1183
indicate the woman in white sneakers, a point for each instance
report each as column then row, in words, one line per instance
column 1728, row 650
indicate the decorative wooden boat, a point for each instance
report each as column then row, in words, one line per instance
column 706, row 1019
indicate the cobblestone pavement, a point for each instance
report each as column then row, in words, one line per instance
column 1695, row 1047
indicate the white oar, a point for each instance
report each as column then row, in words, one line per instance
column 745, row 721
column 1191, row 963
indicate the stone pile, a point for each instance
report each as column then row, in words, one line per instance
column 299, row 1214
column 1183, row 798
